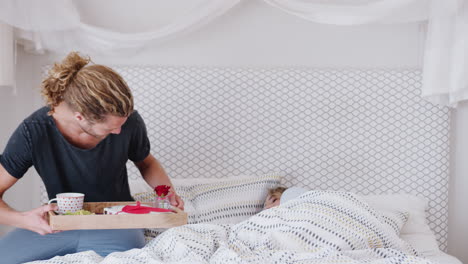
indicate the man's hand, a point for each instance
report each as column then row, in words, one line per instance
column 154, row 175
column 36, row 219
column 175, row 199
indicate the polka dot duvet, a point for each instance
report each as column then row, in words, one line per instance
column 317, row 227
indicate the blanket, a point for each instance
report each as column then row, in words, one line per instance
column 317, row 227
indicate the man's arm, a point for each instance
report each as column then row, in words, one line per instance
column 34, row 220
column 154, row 175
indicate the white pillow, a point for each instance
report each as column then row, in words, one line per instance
column 222, row 201
column 394, row 219
column 230, row 200
column 416, row 231
column 209, row 194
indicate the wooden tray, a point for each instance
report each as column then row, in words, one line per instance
column 122, row 221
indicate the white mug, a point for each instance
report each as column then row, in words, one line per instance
column 68, row 202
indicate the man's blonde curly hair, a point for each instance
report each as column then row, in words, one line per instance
column 94, row 91
column 276, row 192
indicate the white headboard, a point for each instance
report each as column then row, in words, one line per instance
column 366, row 131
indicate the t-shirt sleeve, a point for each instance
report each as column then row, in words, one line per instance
column 17, row 156
column 139, row 147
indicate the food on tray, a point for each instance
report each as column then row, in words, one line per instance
column 79, row 212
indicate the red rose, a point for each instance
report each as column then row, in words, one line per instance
column 162, row 190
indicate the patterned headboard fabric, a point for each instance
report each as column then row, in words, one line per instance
column 365, row 131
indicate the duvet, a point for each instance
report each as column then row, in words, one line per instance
column 318, row 227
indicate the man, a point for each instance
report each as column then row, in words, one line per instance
column 80, row 143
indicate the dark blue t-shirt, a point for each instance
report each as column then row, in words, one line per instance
column 100, row 173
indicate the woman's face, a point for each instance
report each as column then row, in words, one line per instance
column 271, row 201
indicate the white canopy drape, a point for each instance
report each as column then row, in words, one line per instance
column 60, row 29
column 356, row 12
column 57, row 25
column 445, row 69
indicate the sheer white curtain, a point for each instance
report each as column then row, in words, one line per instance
column 342, row 12
column 57, row 25
column 445, row 69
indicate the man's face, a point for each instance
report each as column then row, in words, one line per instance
column 110, row 125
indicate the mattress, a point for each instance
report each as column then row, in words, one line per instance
column 444, row 258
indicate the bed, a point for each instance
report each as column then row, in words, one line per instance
column 317, row 227
column 363, row 131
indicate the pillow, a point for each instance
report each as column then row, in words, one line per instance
column 394, row 219
column 416, row 231
column 221, row 201
column 292, row 193
column 230, row 200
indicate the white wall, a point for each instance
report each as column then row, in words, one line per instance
column 254, row 34
column 15, row 105
column 458, row 203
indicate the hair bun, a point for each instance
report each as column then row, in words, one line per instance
column 60, row 76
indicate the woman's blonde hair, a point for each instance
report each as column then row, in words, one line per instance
column 94, row 91
column 276, row 192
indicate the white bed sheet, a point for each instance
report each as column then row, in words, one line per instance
column 444, row 258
